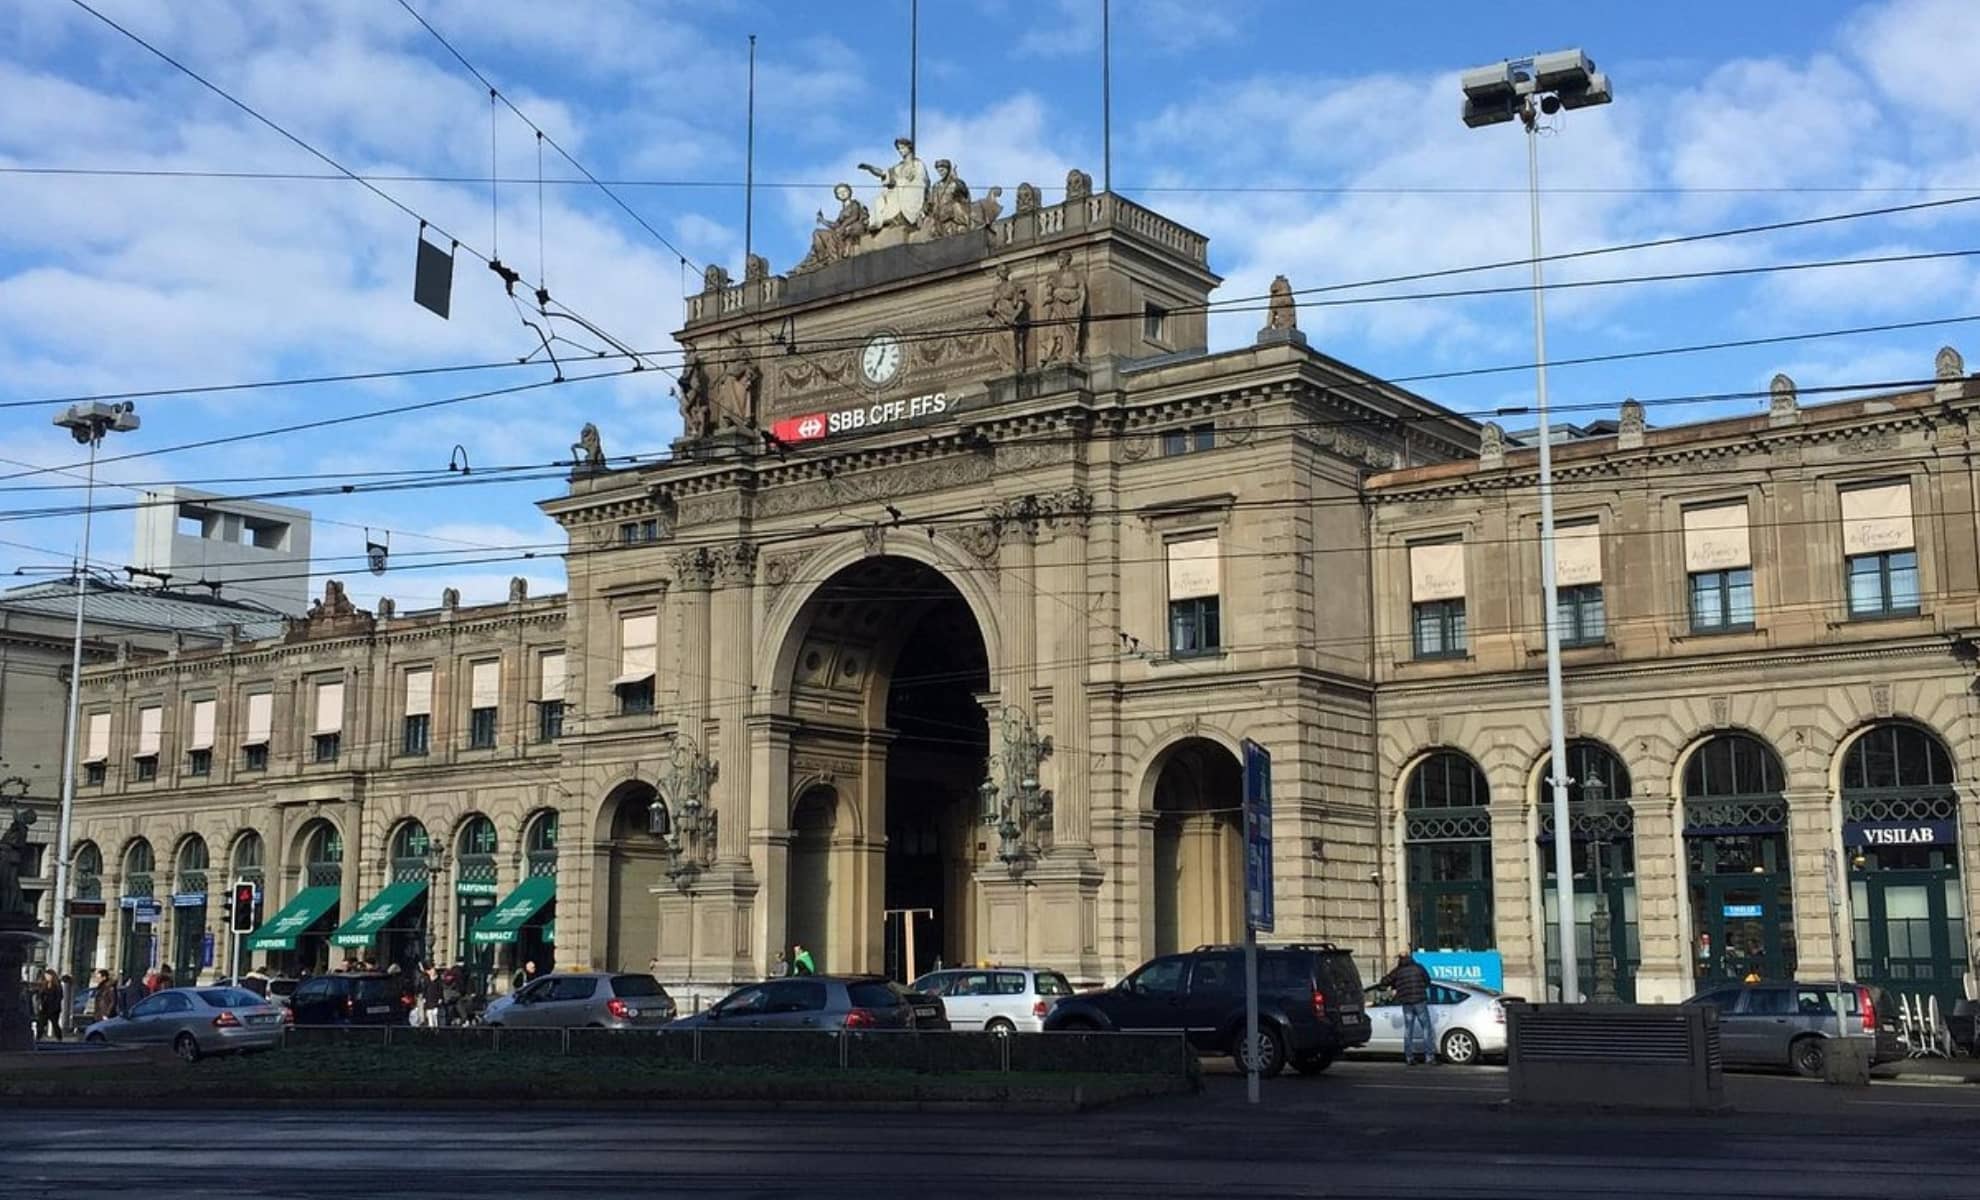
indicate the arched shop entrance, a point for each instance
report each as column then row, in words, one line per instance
column 87, row 904
column 1736, row 860
column 192, row 949
column 297, row 937
column 1607, row 949
column 635, row 851
column 395, row 925
column 1447, row 849
column 1900, row 831
column 475, row 891
column 888, row 675
column 1199, row 847
column 138, row 911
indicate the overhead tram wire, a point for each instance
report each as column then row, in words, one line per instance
column 541, row 134
column 1130, row 189
column 320, row 155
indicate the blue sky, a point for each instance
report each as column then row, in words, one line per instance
column 1317, row 139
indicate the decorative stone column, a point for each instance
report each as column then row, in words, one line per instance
column 1812, row 831
column 694, row 573
column 1518, row 926
column 1664, row 974
column 732, row 643
column 1066, row 525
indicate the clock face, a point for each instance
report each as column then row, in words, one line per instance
column 880, row 361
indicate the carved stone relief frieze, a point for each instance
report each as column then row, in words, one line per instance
column 885, row 484
column 1239, row 427
column 780, row 568
column 979, row 539
column 710, row 506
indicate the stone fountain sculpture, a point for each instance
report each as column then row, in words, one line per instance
column 18, row 934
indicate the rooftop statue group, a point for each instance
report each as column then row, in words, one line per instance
column 909, row 199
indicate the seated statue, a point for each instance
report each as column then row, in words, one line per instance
column 839, row 237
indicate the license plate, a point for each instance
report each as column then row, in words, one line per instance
column 267, row 1020
column 375, row 1009
column 927, row 1012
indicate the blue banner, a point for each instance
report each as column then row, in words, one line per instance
column 1480, row 968
column 1898, row 833
column 1258, row 909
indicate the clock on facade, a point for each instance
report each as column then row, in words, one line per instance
column 880, row 361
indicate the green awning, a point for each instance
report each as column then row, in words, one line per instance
column 298, row 915
column 362, row 929
column 515, row 911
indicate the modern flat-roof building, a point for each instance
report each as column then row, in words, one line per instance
column 241, row 549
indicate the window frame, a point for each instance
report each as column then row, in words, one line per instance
column 1198, row 609
column 626, row 693
column 1885, row 607
column 95, row 774
column 326, row 747
column 484, row 727
column 422, row 745
column 144, row 768
column 1453, row 625
column 255, row 757
column 1577, row 598
column 1155, row 324
column 549, row 720
column 199, row 763
column 1725, row 587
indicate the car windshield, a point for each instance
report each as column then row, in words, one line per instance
column 229, row 998
column 1051, row 983
column 636, row 985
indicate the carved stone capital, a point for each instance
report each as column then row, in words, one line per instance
column 694, row 569
column 734, row 562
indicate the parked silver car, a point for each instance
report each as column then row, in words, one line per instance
column 195, row 1022
column 584, row 999
column 820, row 1002
column 1785, row 1024
column 1467, row 1022
column 996, row 999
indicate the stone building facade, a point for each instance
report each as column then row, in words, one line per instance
column 939, row 636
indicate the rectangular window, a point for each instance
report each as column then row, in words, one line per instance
column 1439, row 629
column 418, row 735
column 94, row 774
column 481, row 729
column 151, row 720
column 1155, row 323
column 96, row 748
column 199, row 762
column 1883, row 585
column 549, row 720
column 1195, row 591
column 1194, row 626
column 633, row 533
column 260, row 720
column 327, row 745
column 1436, row 592
column 638, row 642
column 329, row 710
column 629, row 533
column 484, row 697
column 254, row 758
column 1194, row 439
column 147, row 767
column 202, row 728
column 1721, row 600
column 1578, row 611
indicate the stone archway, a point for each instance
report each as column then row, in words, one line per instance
column 884, row 672
column 1198, row 863
column 633, row 862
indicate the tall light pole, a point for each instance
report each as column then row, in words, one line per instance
column 1527, row 88
column 87, row 423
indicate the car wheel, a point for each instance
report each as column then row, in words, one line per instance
column 1461, row 1047
column 1313, row 1064
column 1078, row 1025
column 999, row 1026
column 1270, row 1051
column 186, row 1047
column 1808, row 1056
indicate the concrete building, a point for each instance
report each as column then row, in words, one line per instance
column 242, row 549
column 974, row 570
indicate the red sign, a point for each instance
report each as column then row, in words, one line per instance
column 86, row 908
column 812, row 426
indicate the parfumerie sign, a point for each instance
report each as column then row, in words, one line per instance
column 1897, row 833
column 878, row 415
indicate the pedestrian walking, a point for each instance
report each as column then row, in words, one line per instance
column 1411, row 985
column 801, row 963
column 103, row 997
column 48, row 1006
column 433, row 998
column 524, row 977
column 453, row 983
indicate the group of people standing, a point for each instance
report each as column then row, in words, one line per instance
column 49, row 997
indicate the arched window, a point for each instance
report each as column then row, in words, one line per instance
column 1589, row 763
column 1894, row 756
column 192, row 854
column 1732, row 764
column 248, row 855
column 1736, row 861
column 89, row 865
column 1447, row 780
column 540, row 845
column 1602, row 858
column 1447, row 831
column 478, row 836
column 138, row 866
column 410, row 847
column 323, row 856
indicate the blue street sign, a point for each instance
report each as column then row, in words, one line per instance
column 1742, row 910
column 206, row 949
column 1258, row 911
column 1484, row 968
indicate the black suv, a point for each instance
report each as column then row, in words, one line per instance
column 355, row 999
column 1309, row 1004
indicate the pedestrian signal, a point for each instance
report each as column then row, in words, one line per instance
column 242, row 915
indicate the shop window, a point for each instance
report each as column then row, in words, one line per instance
column 1883, row 585
column 1439, row 629
column 1722, row 600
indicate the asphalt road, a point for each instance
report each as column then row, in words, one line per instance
column 1363, row 1129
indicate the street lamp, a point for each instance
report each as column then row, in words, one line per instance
column 1526, row 88
column 1595, row 803
column 688, row 827
column 87, row 423
column 1018, row 808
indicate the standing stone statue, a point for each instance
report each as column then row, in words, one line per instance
column 1282, row 313
column 696, row 420
column 903, row 189
column 949, row 210
column 734, row 395
column 839, row 237
column 1079, row 185
column 1064, row 312
column 1010, row 309
column 588, row 452
column 14, row 856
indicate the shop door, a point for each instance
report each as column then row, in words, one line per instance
column 1742, row 920
column 1911, row 916
column 1450, row 913
column 188, row 943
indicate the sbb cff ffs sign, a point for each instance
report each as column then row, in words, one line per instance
column 812, row 426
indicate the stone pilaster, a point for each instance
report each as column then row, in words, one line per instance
column 734, row 648
column 1813, row 830
column 1664, row 974
column 694, row 574
column 1065, row 579
column 1517, row 917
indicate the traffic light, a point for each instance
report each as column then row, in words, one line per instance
column 242, row 916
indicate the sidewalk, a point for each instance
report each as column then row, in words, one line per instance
column 1929, row 1070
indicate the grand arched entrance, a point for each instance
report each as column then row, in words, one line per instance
column 633, row 850
column 889, row 677
column 1199, row 846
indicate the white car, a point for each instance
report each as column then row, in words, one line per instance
column 1467, row 1022
column 996, row 999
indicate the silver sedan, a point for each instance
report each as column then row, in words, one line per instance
column 1467, row 1022
column 195, row 1022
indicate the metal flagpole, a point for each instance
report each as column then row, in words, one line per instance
column 749, row 166
column 914, row 67
column 1106, row 96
